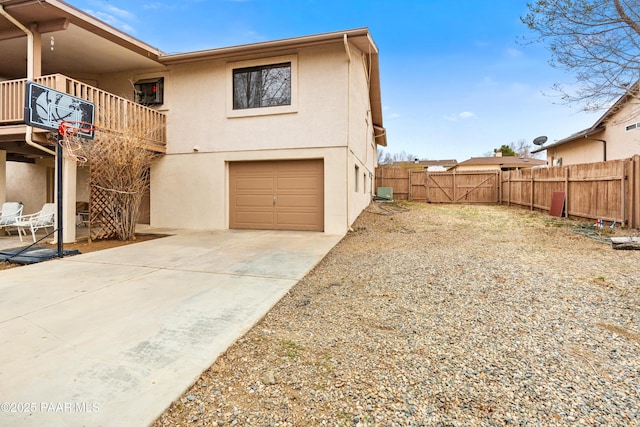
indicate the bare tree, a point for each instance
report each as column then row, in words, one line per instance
column 385, row 157
column 119, row 165
column 598, row 41
column 521, row 148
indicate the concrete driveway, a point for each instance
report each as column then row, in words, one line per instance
column 111, row 338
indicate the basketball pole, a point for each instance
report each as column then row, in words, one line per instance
column 59, row 192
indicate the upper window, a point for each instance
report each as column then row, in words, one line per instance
column 631, row 127
column 262, row 86
column 150, row 91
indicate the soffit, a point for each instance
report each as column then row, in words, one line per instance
column 82, row 44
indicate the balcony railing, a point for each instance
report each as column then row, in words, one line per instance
column 113, row 114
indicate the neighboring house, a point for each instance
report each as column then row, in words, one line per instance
column 499, row 162
column 615, row 135
column 274, row 135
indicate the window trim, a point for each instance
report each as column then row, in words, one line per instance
column 263, row 111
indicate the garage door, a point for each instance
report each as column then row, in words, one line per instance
column 277, row 195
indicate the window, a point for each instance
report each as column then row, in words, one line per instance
column 357, row 176
column 150, row 91
column 262, row 86
column 631, row 127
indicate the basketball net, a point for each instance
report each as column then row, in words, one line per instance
column 71, row 141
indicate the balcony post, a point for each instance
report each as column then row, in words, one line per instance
column 3, row 176
column 37, row 51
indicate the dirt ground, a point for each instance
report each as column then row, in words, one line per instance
column 96, row 245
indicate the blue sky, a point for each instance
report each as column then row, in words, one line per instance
column 455, row 82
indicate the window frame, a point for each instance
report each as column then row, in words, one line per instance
column 262, row 111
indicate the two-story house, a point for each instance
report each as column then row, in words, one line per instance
column 273, row 135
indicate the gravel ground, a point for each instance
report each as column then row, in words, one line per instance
column 440, row 315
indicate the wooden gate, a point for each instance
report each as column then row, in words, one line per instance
column 462, row 187
column 441, row 187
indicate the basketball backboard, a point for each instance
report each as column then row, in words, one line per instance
column 46, row 108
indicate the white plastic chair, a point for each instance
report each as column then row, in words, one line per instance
column 9, row 213
column 36, row 221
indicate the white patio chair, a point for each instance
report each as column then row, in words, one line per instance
column 36, row 221
column 8, row 214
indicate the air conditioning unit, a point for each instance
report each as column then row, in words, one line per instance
column 385, row 193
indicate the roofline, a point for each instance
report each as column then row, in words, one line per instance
column 616, row 105
column 353, row 36
column 583, row 134
column 92, row 24
column 268, row 46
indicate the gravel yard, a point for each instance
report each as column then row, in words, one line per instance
column 440, row 315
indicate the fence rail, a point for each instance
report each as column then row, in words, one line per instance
column 607, row 190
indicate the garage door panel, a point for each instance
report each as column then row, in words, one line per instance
column 296, row 185
column 253, row 200
column 297, row 221
column 254, row 168
column 255, row 219
column 255, row 184
column 298, row 201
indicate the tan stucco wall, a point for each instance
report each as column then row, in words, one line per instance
column 576, row 152
column 27, row 183
column 362, row 150
column 197, row 184
column 330, row 120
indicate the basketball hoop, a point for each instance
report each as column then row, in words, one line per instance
column 72, row 131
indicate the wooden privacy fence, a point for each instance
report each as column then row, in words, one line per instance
column 441, row 187
column 607, row 190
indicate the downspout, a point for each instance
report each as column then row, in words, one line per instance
column 28, row 137
column 348, row 52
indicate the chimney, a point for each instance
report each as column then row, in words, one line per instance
column 497, row 154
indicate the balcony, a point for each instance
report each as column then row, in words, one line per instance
column 113, row 114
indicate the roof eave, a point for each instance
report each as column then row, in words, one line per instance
column 89, row 23
column 269, row 46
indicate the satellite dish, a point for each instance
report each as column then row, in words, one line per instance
column 540, row 140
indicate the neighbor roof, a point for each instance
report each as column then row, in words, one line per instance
column 585, row 133
column 507, row 161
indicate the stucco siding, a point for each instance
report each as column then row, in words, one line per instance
column 200, row 96
column 27, row 183
column 196, row 194
column 581, row 151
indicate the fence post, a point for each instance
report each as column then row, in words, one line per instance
column 410, row 189
column 634, row 220
column 532, row 182
column 509, row 190
column 455, row 196
column 500, row 187
column 566, row 191
column 623, row 198
column 426, row 186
